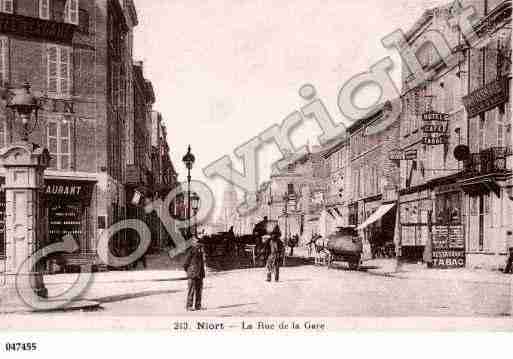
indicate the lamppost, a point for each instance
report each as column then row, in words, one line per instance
column 25, row 218
column 188, row 160
column 195, row 203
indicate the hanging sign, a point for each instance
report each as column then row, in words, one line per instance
column 399, row 155
column 435, row 128
column 486, row 97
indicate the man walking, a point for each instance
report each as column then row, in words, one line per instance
column 195, row 267
column 275, row 254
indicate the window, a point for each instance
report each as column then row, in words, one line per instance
column 482, row 132
column 44, row 9
column 290, row 188
column 59, row 70
column 502, row 133
column 3, row 133
column 7, row 6
column 4, row 61
column 59, row 144
column 71, row 12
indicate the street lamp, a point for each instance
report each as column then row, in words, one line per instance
column 188, row 160
column 25, row 106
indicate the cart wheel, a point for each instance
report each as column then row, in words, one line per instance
column 355, row 264
column 330, row 261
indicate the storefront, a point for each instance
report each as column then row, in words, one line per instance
column 379, row 226
column 414, row 208
column 448, row 234
column 69, row 214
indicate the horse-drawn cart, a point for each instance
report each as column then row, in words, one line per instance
column 342, row 246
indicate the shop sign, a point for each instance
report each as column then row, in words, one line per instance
column 486, row 97
column 399, row 155
column 58, row 105
column 435, row 116
column 63, row 190
column 448, row 246
column 72, row 190
column 435, row 128
column 33, row 27
column 434, row 140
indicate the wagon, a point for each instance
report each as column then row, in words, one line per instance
column 342, row 246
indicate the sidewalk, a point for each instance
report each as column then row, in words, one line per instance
column 388, row 267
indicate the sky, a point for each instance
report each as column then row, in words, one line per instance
column 225, row 70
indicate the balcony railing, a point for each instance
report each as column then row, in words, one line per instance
column 489, row 161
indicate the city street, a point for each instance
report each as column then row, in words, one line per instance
column 303, row 291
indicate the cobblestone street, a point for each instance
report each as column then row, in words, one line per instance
column 304, row 291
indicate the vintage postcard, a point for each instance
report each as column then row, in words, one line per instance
column 255, row 166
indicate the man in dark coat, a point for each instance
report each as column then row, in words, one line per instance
column 275, row 253
column 260, row 228
column 194, row 265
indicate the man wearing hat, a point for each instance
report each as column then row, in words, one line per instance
column 275, row 251
column 194, row 265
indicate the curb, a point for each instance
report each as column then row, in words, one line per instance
column 69, row 307
column 404, row 275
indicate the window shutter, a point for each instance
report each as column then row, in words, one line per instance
column 8, row 6
column 66, row 70
column 4, row 61
column 53, row 63
column 72, row 11
column 44, row 9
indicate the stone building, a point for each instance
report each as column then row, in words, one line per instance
column 77, row 56
column 372, row 193
column 293, row 196
column 337, row 157
column 458, row 207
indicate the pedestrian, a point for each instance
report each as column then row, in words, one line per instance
column 509, row 262
column 275, row 254
column 194, row 265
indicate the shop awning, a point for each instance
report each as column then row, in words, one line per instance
column 380, row 212
column 474, row 186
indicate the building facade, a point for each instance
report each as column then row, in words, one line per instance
column 294, row 196
column 77, row 57
column 458, row 206
column 336, row 210
column 374, row 176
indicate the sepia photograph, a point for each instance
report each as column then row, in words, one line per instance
column 255, row 166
